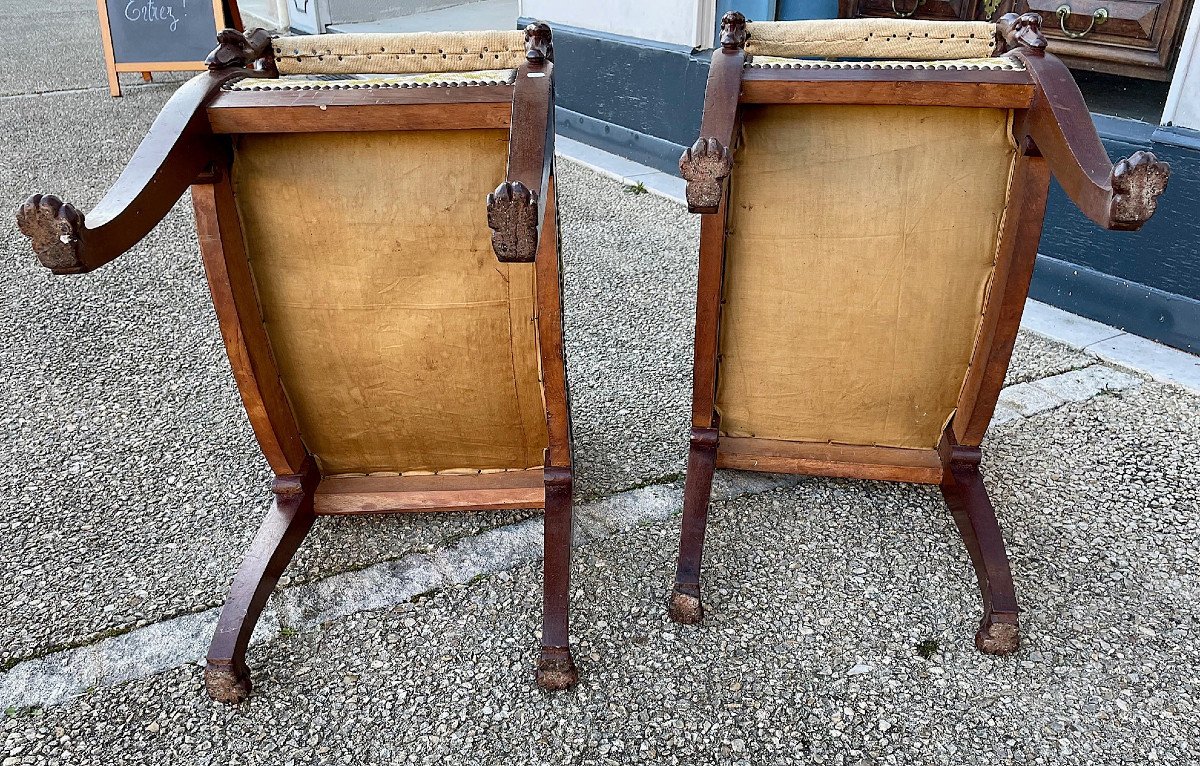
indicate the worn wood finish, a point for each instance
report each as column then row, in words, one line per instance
column 1017, row 32
column 243, row 50
column 685, row 606
column 962, row 487
column 550, row 336
column 175, row 151
column 513, row 207
column 227, row 677
column 772, row 88
column 1121, row 196
column 1006, row 298
column 232, row 285
column 355, row 495
column 849, row 461
column 318, row 112
column 555, row 667
column 708, row 317
column 707, row 163
column 1054, row 132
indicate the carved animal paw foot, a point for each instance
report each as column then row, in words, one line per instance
column 512, row 214
column 224, row 684
column 685, row 607
column 998, row 635
column 1137, row 182
column 54, row 228
column 704, row 165
column 556, row 669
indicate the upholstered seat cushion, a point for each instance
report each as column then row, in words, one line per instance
column 401, row 53
column 872, row 39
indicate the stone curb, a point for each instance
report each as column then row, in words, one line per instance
column 161, row 646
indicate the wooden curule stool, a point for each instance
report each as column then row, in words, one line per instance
column 865, row 261
column 397, row 341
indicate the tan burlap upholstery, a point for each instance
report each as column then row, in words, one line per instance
column 861, row 242
column 399, row 53
column 402, row 343
column 872, row 39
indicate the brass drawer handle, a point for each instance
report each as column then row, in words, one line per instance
column 901, row 14
column 1099, row 17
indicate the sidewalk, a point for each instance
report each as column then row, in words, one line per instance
column 133, row 485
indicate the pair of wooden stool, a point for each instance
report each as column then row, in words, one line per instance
column 398, row 344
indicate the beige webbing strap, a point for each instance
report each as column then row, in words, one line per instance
column 872, row 39
column 399, row 53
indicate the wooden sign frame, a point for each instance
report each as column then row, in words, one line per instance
column 113, row 68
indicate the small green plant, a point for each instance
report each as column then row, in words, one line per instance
column 637, row 188
column 928, row 648
column 288, row 632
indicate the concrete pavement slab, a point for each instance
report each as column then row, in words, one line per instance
column 839, row 631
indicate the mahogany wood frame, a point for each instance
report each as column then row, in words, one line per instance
column 188, row 146
column 1055, row 135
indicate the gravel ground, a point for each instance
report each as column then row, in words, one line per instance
column 809, row 652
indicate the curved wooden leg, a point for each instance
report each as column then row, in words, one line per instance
column 962, row 486
column 685, row 606
column 226, row 677
column 555, row 666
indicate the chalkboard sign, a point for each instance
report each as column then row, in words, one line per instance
column 158, row 35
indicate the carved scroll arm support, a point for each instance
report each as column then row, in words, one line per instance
column 707, row 163
column 178, row 147
column 1121, row 196
column 515, row 210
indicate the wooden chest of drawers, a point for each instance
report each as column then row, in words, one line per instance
column 1137, row 38
column 1130, row 37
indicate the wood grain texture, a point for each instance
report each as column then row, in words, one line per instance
column 235, row 299
column 708, row 317
column 847, row 461
column 226, row 675
column 555, row 388
column 513, row 208
column 964, row 492
column 685, row 606
column 707, row 163
column 1020, row 252
column 1121, row 196
column 1010, row 90
column 445, row 492
column 317, row 115
column 177, row 148
column 1005, row 300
